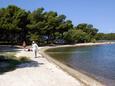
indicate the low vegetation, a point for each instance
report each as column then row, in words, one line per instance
column 107, row 36
column 10, row 62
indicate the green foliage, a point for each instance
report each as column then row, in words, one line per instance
column 99, row 36
column 81, row 33
column 18, row 25
column 102, row 36
column 13, row 22
column 88, row 28
column 34, row 37
column 76, row 36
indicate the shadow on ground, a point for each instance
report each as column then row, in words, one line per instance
column 9, row 48
column 10, row 63
column 29, row 64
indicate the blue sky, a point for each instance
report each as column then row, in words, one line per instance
column 100, row 13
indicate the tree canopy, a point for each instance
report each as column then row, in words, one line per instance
column 18, row 25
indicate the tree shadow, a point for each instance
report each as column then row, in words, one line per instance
column 29, row 64
column 9, row 48
column 8, row 64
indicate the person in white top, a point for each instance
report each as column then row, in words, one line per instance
column 35, row 49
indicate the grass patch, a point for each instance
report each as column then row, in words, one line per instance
column 24, row 59
column 10, row 62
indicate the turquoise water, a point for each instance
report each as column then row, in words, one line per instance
column 96, row 61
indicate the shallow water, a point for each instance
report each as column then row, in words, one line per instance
column 96, row 61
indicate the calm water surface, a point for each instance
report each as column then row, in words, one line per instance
column 97, row 61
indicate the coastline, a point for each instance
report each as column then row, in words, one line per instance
column 46, row 71
column 85, row 79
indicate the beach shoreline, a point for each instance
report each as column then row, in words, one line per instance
column 44, row 70
column 87, row 80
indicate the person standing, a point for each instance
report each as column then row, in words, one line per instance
column 35, row 49
column 24, row 45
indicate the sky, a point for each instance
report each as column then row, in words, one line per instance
column 99, row 13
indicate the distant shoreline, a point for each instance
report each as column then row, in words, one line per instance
column 79, row 44
column 87, row 80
